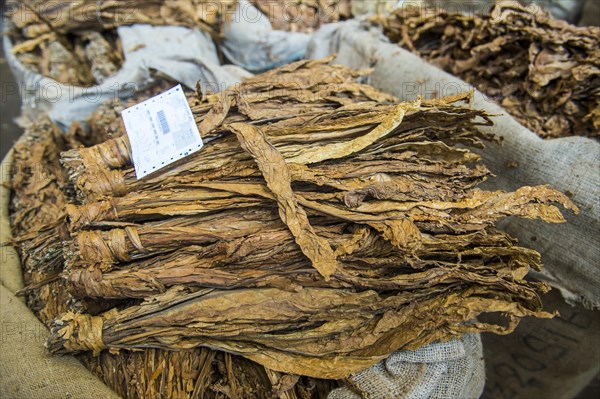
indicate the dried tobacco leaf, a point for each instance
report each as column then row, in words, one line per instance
column 545, row 72
column 322, row 226
column 279, row 181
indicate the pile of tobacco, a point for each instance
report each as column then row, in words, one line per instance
column 323, row 226
column 545, row 72
column 303, row 15
column 75, row 42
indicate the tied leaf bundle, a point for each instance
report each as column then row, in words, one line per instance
column 75, row 42
column 323, row 226
column 544, row 71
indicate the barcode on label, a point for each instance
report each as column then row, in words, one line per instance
column 162, row 119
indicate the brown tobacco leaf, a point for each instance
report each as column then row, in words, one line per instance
column 387, row 124
column 278, row 179
column 545, row 72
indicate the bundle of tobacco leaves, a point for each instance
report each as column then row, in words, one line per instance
column 76, row 42
column 322, row 226
column 545, row 72
column 303, row 15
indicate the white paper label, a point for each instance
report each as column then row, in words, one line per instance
column 161, row 131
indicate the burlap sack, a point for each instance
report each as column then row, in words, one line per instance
column 554, row 358
column 445, row 370
column 569, row 251
column 26, row 371
column 250, row 42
